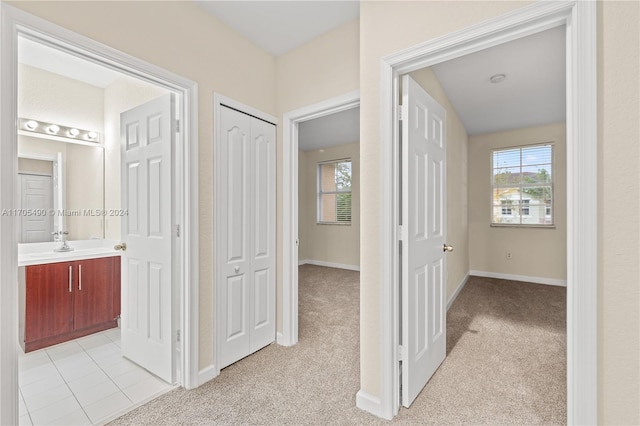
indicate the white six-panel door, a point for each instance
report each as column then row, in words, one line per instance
column 36, row 195
column 423, row 223
column 147, row 134
column 246, row 252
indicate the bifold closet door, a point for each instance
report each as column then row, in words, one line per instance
column 247, row 278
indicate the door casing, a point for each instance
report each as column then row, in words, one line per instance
column 13, row 23
column 579, row 17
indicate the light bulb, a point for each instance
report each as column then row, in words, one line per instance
column 31, row 125
column 53, row 129
column 92, row 135
column 74, row 132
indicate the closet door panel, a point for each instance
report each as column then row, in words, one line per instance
column 263, row 246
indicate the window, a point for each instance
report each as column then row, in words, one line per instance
column 506, row 207
column 334, row 192
column 522, row 186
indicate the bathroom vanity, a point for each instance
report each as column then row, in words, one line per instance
column 68, row 295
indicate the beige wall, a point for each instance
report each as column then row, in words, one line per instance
column 328, row 243
column 321, row 69
column 619, row 228
column 457, row 208
column 618, row 59
column 121, row 95
column 50, row 97
column 181, row 37
column 536, row 252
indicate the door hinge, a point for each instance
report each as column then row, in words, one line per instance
column 177, row 125
column 297, row 242
column 400, row 112
column 402, row 353
column 401, row 235
column 178, row 335
column 177, row 230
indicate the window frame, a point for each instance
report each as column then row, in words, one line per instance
column 320, row 192
column 545, row 205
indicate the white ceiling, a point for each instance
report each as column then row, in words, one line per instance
column 532, row 94
column 331, row 130
column 279, row 26
column 53, row 60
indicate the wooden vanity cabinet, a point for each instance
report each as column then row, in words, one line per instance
column 67, row 300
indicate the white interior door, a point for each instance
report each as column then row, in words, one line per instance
column 147, row 135
column 246, row 255
column 423, row 223
column 36, row 196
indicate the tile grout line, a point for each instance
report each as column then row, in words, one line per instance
column 66, row 383
column 110, row 378
column 24, row 402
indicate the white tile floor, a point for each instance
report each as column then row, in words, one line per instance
column 82, row 382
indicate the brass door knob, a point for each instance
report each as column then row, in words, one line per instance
column 447, row 247
column 121, row 246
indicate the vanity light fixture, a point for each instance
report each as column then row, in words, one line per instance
column 42, row 129
column 498, row 78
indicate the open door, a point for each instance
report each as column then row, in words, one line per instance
column 423, row 238
column 147, row 135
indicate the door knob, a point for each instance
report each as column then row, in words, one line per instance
column 237, row 269
column 446, row 247
column 121, row 246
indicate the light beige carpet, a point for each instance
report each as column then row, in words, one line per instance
column 505, row 364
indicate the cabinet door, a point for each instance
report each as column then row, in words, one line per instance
column 93, row 301
column 49, row 300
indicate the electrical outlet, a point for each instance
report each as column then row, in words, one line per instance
column 509, row 255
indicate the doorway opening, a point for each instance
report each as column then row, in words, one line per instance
column 579, row 19
column 293, row 121
column 506, row 180
column 74, row 123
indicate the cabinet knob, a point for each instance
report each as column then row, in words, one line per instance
column 121, row 246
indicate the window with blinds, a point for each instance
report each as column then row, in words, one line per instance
column 522, row 186
column 334, row 192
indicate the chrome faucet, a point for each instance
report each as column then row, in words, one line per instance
column 62, row 237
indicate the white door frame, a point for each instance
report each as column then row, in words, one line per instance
column 291, row 120
column 14, row 22
column 218, row 101
column 580, row 20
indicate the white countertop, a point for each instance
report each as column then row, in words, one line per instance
column 41, row 253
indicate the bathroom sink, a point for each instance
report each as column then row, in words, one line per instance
column 70, row 253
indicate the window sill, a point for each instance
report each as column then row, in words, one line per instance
column 519, row 225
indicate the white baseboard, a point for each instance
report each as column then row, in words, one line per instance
column 329, row 264
column 369, row 403
column 206, row 374
column 525, row 278
column 458, row 290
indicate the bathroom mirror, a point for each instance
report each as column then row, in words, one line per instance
column 66, row 182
